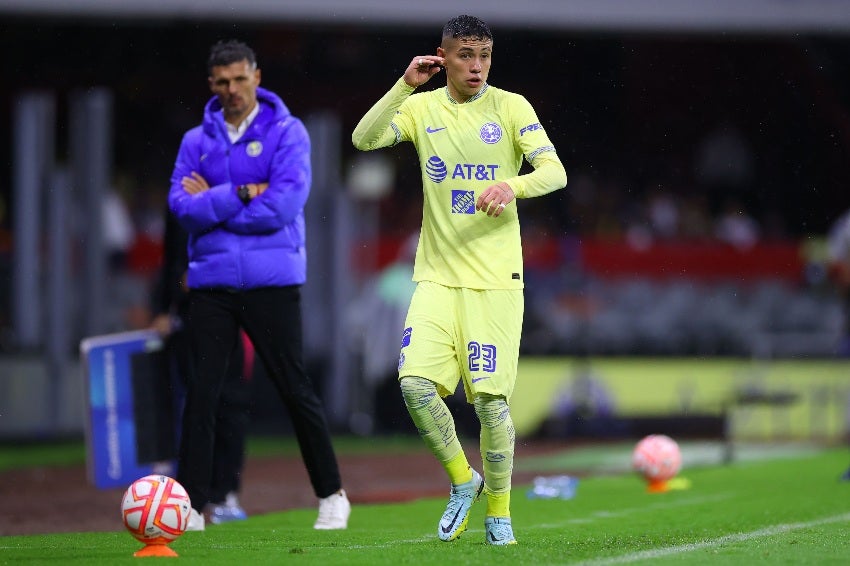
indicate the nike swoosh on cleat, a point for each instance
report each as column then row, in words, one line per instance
column 493, row 537
column 452, row 524
column 431, row 130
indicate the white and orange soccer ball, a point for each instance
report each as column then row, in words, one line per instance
column 658, row 459
column 156, row 509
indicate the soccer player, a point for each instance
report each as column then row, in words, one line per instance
column 465, row 317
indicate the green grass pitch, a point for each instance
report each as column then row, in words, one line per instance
column 788, row 508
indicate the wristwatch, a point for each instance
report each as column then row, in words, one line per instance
column 243, row 193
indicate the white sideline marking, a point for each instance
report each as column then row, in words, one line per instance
column 595, row 516
column 726, row 539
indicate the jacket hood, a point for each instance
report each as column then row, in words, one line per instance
column 214, row 119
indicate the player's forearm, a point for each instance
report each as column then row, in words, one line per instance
column 548, row 175
column 373, row 130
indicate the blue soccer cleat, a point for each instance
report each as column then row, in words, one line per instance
column 226, row 512
column 454, row 520
column 498, row 531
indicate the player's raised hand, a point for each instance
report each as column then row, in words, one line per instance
column 422, row 68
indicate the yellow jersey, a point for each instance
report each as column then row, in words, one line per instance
column 463, row 149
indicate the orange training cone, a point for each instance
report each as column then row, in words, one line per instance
column 161, row 550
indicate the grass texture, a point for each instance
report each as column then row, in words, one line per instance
column 784, row 507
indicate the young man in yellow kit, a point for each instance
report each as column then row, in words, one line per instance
column 465, row 318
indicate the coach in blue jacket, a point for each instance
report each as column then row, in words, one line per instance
column 239, row 187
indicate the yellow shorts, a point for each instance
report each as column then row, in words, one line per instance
column 455, row 332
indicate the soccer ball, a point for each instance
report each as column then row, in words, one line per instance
column 657, row 458
column 156, row 509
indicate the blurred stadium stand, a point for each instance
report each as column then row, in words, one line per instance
column 629, row 92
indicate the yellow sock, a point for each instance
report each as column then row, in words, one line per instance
column 499, row 504
column 458, row 469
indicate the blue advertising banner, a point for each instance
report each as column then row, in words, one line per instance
column 130, row 431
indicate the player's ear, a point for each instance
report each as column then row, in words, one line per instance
column 441, row 52
column 257, row 75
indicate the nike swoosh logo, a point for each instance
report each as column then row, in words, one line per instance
column 452, row 524
column 493, row 537
column 477, row 379
column 431, row 130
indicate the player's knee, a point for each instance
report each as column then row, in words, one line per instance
column 417, row 391
column 492, row 410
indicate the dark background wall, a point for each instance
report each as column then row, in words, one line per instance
column 624, row 108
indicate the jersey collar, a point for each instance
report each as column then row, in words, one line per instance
column 477, row 95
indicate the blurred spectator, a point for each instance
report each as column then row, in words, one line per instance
column 579, row 204
column 380, row 311
column 663, row 212
column 146, row 254
column 118, row 229
column 838, row 258
column 583, row 406
column 147, row 211
column 374, row 319
column 724, row 160
column 735, row 226
column 696, row 222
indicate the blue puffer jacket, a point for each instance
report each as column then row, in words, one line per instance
column 231, row 244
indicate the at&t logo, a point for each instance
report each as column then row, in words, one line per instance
column 435, row 168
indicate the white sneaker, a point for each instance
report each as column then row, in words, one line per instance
column 196, row 521
column 333, row 512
